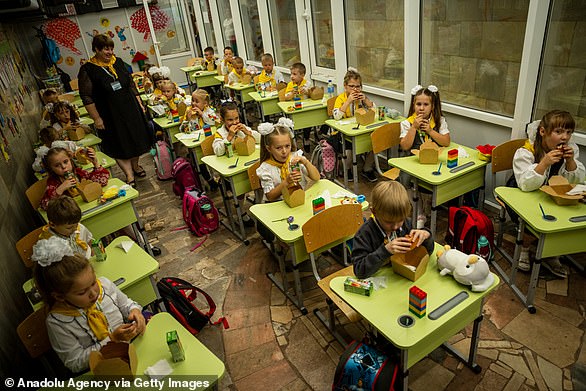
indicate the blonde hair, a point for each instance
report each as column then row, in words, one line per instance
column 267, row 140
column 391, row 201
column 166, row 83
column 202, row 94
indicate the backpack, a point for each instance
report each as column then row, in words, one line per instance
column 184, row 176
column 465, row 226
column 324, row 158
column 362, row 367
column 178, row 296
column 163, row 162
column 199, row 212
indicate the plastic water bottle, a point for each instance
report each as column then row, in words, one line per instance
column 330, row 89
column 483, row 248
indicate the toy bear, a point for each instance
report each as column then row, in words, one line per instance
column 466, row 269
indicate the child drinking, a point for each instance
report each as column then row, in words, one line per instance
column 200, row 112
column 551, row 153
column 64, row 216
column 269, row 77
column 64, row 175
column 64, row 117
column 345, row 106
column 85, row 312
column 276, row 159
column 425, row 122
column 231, row 128
column 50, row 97
column 299, row 86
column 388, row 232
column 51, row 138
column 238, row 71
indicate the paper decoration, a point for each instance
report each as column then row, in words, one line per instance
column 139, row 21
column 64, row 32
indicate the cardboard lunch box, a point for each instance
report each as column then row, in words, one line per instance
column 294, row 196
column 428, row 153
column 75, row 134
column 244, row 146
column 114, row 359
column 416, row 258
column 557, row 188
column 365, row 116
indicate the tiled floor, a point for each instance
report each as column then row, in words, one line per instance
column 271, row 346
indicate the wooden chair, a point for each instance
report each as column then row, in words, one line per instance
column 206, row 146
column 74, row 84
column 384, row 138
column 255, row 183
column 282, row 97
column 25, row 246
column 330, row 104
column 319, row 232
column 181, row 109
column 191, row 62
column 255, row 80
column 33, row 333
column 35, row 193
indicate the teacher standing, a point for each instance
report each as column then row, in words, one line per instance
column 112, row 101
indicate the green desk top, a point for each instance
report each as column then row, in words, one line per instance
column 269, row 212
column 411, row 165
column 131, row 194
column 152, row 347
column 82, row 111
column 307, row 105
column 219, row 78
column 221, row 163
column 192, row 68
column 105, row 160
column 240, row 87
column 193, row 139
column 200, row 73
column 165, row 123
column 89, row 140
column 86, row 120
column 268, row 96
column 347, row 125
column 526, row 205
column 384, row 306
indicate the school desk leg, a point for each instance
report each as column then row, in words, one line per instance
column 403, row 371
column 242, row 234
column 354, row 165
column 433, row 222
column 226, row 201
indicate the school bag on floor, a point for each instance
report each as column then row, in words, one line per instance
column 179, row 295
column 163, row 162
column 324, row 158
column 184, row 176
column 465, row 226
column 199, row 212
column 362, row 367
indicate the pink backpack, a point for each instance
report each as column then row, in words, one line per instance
column 199, row 212
column 163, row 162
column 184, row 176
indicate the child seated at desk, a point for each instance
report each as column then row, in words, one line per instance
column 388, row 232
column 276, row 160
column 425, row 122
column 50, row 97
column 226, row 64
column 269, row 77
column 51, row 138
column 238, row 71
column 200, row 112
column 231, row 128
column 64, row 216
column 159, row 75
column 552, row 152
column 345, row 106
column 64, row 117
column 85, row 312
column 64, row 175
column 210, row 59
column 299, row 86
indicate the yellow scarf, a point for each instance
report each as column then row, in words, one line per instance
column 240, row 75
column 46, row 234
column 283, row 167
column 265, row 78
column 529, row 146
column 109, row 65
column 411, row 119
column 96, row 319
column 291, row 86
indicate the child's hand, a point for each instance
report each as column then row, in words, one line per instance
column 67, row 184
column 136, row 316
column 125, row 332
column 418, row 121
column 567, row 152
column 552, row 157
column 425, row 126
column 418, row 236
column 293, row 177
column 91, row 154
column 399, row 245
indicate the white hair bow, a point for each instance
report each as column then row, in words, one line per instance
column 419, row 87
column 49, row 251
column 267, row 128
column 352, row 69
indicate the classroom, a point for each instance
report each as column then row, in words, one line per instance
column 293, row 194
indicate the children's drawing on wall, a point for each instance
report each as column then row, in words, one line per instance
column 159, row 18
column 122, row 37
column 64, row 32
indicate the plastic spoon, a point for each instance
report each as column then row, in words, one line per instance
column 235, row 163
column 438, row 172
column 546, row 216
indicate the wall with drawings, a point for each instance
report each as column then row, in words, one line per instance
column 19, row 120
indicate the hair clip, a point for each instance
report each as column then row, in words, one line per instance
column 152, row 70
column 352, row 69
column 165, row 71
column 49, row 107
column 416, row 89
column 432, row 88
column 288, row 122
column 265, row 128
column 49, row 251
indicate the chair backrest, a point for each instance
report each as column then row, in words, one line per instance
column 319, row 231
column 206, row 146
column 33, row 333
column 502, row 155
column 35, row 193
column 253, row 177
column 331, row 103
column 181, row 109
column 191, row 61
column 282, row 93
column 386, row 137
column 255, row 80
column 25, row 246
column 74, row 84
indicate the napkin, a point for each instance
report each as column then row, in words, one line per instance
column 342, row 194
column 347, row 121
column 462, row 152
column 126, row 245
column 577, row 190
column 378, row 282
column 159, row 370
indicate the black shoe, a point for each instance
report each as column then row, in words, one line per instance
column 350, row 176
column 248, row 222
column 156, row 251
column 369, row 175
column 306, row 146
column 213, row 185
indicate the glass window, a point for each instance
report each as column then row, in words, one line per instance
column 323, row 35
column 562, row 77
column 375, row 42
column 207, row 22
column 472, row 51
column 227, row 26
column 284, row 30
column 169, row 27
column 251, row 27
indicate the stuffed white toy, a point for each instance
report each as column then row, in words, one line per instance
column 466, row 269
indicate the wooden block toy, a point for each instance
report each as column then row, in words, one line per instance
column 244, row 146
column 318, row 205
column 294, row 196
column 417, row 301
column 364, row 116
column 297, row 103
column 452, row 158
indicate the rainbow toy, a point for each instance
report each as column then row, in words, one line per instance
column 417, row 301
column 452, row 158
column 319, row 205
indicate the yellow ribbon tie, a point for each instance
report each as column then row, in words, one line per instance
column 283, row 167
column 529, row 146
column 109, row 64
column 411, row 119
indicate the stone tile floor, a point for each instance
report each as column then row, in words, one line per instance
column 271, row 346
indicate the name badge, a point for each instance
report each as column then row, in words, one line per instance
column 116, row 85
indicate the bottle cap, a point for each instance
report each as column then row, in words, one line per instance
column 482, row 241
column 206, row 207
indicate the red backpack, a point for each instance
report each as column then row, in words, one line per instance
column 184, row 176
column 465, row 226
column 199, row 212
column 163, row 162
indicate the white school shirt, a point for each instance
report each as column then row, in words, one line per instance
column 406, row 125
column 218, row 144
column 270, row 177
